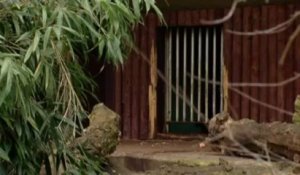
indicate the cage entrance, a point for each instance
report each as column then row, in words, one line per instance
column 193, row 61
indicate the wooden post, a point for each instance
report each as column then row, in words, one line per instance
column 152, row 93
column 225, row 89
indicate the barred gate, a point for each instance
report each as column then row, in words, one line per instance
column 193, row 66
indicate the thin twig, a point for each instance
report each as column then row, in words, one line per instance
column 260, row 102
column 248, row 84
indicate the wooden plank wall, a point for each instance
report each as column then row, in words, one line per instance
column 255, row 59
column 248, row 59
column 128, row 95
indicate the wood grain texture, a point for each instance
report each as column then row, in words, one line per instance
column 264, row 64
column 255, row 57
column 272, row 62
column 246, row 61
column 237, row 61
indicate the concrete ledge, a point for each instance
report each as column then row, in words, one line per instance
column 153, row 158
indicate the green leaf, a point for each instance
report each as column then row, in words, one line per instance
column 126, row 13
column 72, row 31
column 37, row 71
column 38, row 54
column 90, row 27
column 101, row 47
column 28, row 53
column 59, row 19
column 86, row 5
column 23, row 36
column 32, row 123
column 2, row 55
column 17, row 26
column 9, row 80
column 36, row 40
column 5, row 66
column 2, row 37
column 18, row 129
column 66, row 17
column 44, row 16
column 4, row 155
column 148, row 4
column 46, row 37
column 136, row 7
column 57, row 31
column 8, row 122
column 21, row 18
column 75, row 20
column 59, row 24
column 158, row 13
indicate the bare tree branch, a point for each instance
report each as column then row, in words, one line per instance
column 276, row 29
column 262, row 85
column 181, row 94
column 231, row 87
column 275, row 108
column 288, row 45
column 225, row 18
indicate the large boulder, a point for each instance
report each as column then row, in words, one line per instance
column 102, row 135
column 100, row 138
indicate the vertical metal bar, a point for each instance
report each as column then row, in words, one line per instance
column 184, row 75
column 206, row 75
column 168, row 73
column 167, row 77
column 170, row 76
column 177, row 75
column 199, row 73
column 221, row 72
column 192, row 76
column 214, row 70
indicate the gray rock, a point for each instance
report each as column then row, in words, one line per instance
column 102, row 135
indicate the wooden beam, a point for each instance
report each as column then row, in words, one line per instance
column 225, row 89
column 152, row 93
column 167, row 5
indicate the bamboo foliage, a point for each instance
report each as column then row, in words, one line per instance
column 43, row 85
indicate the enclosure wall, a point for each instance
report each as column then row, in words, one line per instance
column 248, row 59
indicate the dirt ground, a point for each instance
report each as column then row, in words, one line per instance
column 168, row 157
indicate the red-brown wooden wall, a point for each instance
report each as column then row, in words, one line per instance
column 248, row 59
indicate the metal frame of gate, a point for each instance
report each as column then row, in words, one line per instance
column 186, row 110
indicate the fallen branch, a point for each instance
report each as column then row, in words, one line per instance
column 269, row 138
